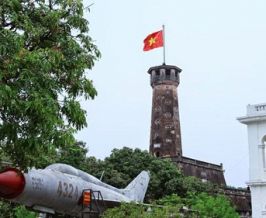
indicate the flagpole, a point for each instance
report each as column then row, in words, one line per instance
column 163, row 45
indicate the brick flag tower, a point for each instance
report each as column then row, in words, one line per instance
column 165, row 137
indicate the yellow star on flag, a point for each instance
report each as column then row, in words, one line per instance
column 152, row 41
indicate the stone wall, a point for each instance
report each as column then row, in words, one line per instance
column 203, row 170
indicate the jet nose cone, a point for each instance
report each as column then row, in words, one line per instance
column 12, row 183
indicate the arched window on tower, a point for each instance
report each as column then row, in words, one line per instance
column 157, row 146
column 157, row 142
column 168, row 74
column 157, row 154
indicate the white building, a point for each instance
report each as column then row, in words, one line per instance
column 256, row 126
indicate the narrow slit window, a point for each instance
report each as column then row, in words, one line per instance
column 263, row 151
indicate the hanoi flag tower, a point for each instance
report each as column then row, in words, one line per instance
column 165, row 137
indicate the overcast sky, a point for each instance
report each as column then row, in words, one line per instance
column 219, row 44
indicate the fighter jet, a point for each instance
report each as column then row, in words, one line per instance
column 63, row 189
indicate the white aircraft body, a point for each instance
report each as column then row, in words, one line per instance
column 59, row 188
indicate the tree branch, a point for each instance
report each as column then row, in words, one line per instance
column 50, row 5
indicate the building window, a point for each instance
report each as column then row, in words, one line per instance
column 168, row 74
column 155, row 135
column 263, row 151
column 168, row 101
column 203, row 176
column 168, row 115
column 168, row 126
column 158, row 140
column 168, row 140
column 157, row 122
column 157, row 145
column 157, row 109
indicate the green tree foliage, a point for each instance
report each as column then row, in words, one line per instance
column 134, row 211
column 192, row 184
column 212, row 206
column 200, row 205
column 11, row 210
column 22, row 212
column 74, row 155
column 171, row 200
column 6, row 210
column 44, row 51
column 125, row 164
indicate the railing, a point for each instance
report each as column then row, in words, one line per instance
column 159, row 76
column 256, row 109
column 96, row 205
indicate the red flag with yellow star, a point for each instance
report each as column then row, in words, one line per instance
column 154, row 40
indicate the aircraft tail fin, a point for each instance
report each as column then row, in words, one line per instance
column 136, row 190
